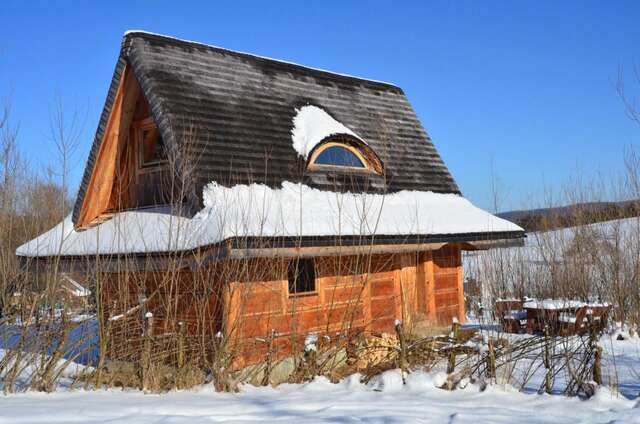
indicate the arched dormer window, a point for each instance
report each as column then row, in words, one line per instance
column 339, row 154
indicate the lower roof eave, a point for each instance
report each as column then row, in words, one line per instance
column 254, row 247
column 373, row 240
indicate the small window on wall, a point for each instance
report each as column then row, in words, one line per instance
column 302, row 276
column 151, row 148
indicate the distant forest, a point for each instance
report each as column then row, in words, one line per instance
column 572, row 215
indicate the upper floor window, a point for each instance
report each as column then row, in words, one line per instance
column 151, row 148
column 339, row 155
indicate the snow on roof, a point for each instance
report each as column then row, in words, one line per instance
column 554, row 304
column 311, row 125
column 139, row 31
column 127, row 232
column 257, row 210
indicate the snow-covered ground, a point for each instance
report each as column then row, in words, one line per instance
column 385, row 400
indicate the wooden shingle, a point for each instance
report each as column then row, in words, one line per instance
column 237, row 109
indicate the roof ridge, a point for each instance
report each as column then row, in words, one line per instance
column 211, row 46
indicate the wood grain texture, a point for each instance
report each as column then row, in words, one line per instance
column 353, row 294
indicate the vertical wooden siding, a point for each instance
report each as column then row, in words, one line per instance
column 448, row 290
column 353, row 295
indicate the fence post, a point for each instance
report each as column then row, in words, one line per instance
column 180, row 345
column 146, row 351
column 403, row 352
column 269, row 362
column 548, row 384
column 597, row 352
column 455, row 330
column 491, row 361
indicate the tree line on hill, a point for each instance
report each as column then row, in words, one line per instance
column 544, row 219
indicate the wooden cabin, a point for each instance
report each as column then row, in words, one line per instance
column 245, row 198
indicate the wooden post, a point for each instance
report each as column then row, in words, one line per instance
column 145, row 360
column 269, row 360
column 431, row 288
column 460, row 284
column 180, row 344
column 491, row 361
column 403, row 351
column 597, row 352
column 548, row 383
column 455, row 329
column 597, row 365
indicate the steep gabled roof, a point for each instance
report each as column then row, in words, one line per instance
column 238, row 109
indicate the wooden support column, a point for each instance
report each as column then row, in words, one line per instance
column 397, row 287
column 431, row 287
column 366, row 303
column 232, row 309
column 460, row 271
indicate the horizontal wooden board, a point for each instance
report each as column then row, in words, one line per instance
column 382, row 288
column 342, row 294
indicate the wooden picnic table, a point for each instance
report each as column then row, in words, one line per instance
column 548, row 312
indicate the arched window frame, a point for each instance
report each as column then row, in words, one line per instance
column 363, row 152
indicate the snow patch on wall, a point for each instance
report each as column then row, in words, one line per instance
column 311, row 125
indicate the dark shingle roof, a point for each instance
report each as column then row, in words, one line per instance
column 240, row 108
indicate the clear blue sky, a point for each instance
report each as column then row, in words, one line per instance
column 529, row 85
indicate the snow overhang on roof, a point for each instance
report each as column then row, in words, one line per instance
column 312, row 125
column 294, row 210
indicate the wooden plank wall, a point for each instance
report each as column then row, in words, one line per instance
column 354, row 294
column 448, row 289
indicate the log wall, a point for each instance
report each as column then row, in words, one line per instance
column 353, row 294
column 248, row 301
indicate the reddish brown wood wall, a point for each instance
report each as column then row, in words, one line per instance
column 353, row 294
column 249, row 300
column 448, row 291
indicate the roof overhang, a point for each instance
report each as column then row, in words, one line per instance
column 282, row 247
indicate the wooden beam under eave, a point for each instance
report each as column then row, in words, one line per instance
column 98, row 197
column 291, row 252
column 492, row 244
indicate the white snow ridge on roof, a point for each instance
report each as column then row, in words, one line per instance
column 311, row 125
column 184, row 40
column 257, row 210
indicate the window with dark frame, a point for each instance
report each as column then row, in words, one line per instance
column 302, row 276
column 151, row 147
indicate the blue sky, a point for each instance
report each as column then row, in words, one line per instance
column 528, row 86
